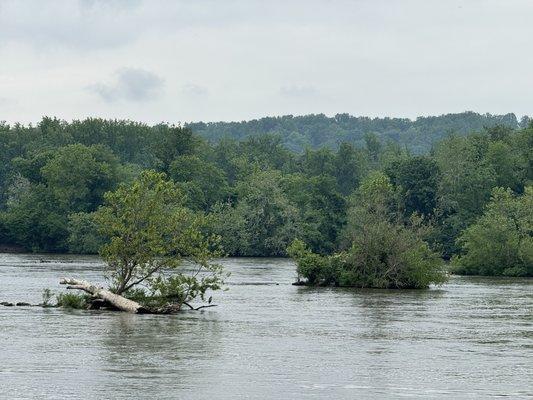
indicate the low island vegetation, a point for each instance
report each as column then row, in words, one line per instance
column 379, row 249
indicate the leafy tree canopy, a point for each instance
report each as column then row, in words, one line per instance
column 150, row 233
column 500, row 242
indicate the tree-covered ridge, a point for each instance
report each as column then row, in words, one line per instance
column 318, row 130
column 256, row 195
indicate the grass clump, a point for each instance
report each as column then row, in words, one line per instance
column 72, row 300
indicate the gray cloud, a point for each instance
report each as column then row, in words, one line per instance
column 130, row 84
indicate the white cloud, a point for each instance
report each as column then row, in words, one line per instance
column 129, row 84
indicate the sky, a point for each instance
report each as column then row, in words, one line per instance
column 211, row 60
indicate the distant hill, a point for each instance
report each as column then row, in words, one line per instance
column 318, row 130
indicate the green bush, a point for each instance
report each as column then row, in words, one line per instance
column 394, row 259
column 380, row 251
column 313, row 267
column 72, row 300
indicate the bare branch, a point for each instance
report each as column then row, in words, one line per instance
column 198, row 308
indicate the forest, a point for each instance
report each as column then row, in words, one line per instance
column 339, row 196
column 315, row 131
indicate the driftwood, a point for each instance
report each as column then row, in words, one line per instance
column 108, row 299
column 117, row 301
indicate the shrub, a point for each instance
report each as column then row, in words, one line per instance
column 316, row 269
column 72, row 300
column 380, row 251
column 392, row 257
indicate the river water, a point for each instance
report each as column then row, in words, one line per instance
column 266, row 339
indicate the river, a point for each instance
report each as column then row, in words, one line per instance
column 266, row 339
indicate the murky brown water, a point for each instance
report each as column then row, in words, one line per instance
column 472, row 338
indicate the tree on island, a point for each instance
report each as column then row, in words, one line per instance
column 150, row 233
column 379, row 250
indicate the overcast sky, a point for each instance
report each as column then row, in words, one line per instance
column 180, row 61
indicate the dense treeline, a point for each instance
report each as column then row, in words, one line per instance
column 316, row 131
column 259, row 195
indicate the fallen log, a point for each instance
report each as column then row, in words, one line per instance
column 107, row 296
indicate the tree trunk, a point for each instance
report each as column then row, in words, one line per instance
column 117, row 301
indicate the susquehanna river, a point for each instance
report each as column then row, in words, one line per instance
column 267, row 339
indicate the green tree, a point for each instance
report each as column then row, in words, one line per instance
column 130, row 141
column 318, row 162
column 78, row 176
column 500, row 242
column 204, row 182
column 31, row 165
column 523, row 145
column 373, row 146
column 227, row 157
column 266, row 152
column 170, row 142
column 83, row 235
column 33, row 221
column 508, row 165
column 465, row 185
column 230, row 224
column 150, row 232
column 417, row 180
column 321, row 209
column 262, row 223
column 351, row 166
